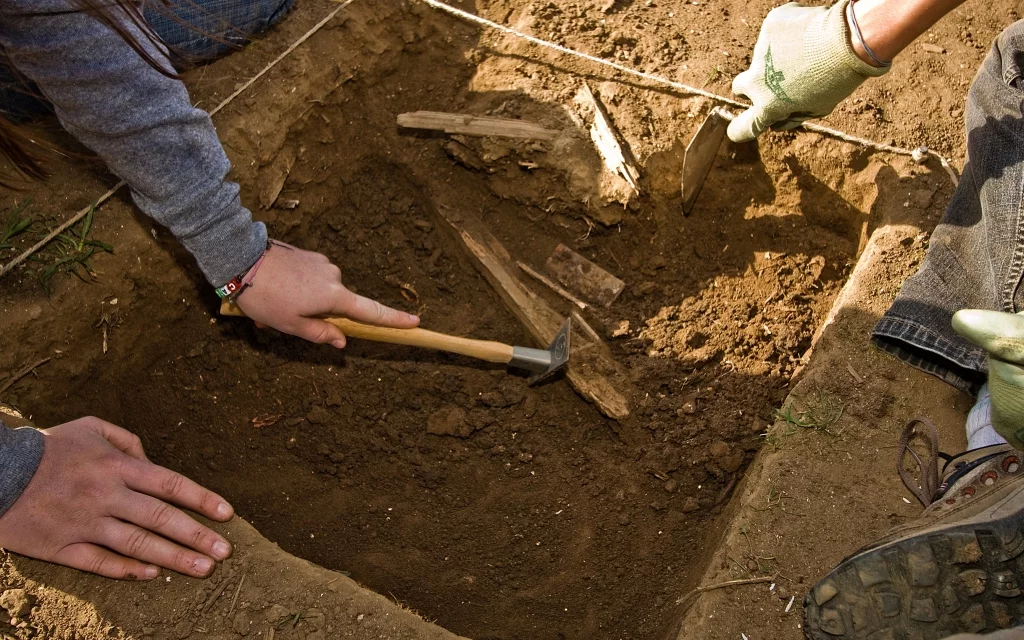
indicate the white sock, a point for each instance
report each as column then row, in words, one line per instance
column 979, row 423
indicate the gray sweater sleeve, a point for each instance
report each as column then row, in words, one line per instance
column 20, row 453
column 141, row 123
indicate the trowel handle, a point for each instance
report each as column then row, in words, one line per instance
column 479, row 349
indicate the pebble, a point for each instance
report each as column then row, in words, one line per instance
column 671, row 485
column 690, row 505
column 318, row 415
column 17, row 602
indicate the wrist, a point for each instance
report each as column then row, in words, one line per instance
column 865, row 39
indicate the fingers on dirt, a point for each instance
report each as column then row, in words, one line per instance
column 175, row 488
column 95, row 559
column 139, row 544
column 171, row 523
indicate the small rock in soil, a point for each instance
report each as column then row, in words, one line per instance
column 672, row 485
column 494, row 399
column 690, row 505
column 17, row 602
column 275, row 614
column 619, row 330
column 719, row 449
column 242, row 623
column 449, row 422
column 318, row 415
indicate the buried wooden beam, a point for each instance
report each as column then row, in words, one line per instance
column 467, row 125
column 592, row 371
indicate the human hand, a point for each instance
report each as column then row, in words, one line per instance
column 96, row 503
column 1002, row 336
column 802, row 66
column 292, row 287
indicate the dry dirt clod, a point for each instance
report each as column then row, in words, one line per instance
column 318, row 415
column 17, row 602
column 449, row 422
column 242, row 622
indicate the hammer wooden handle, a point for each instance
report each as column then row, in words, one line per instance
column 480, row 349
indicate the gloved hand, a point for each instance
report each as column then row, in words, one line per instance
column 1002, row 336
column 803, row 65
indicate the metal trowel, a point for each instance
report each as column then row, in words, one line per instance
column 700, row 154
column 540, row 362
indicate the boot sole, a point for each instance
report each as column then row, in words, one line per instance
column 958, row 579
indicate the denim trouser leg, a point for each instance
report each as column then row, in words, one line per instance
column 976, row 256
column 196, row 30
column 203, row 30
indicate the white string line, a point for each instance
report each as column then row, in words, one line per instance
column 810, row 126
column 106, row 196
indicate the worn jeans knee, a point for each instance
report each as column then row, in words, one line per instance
column 196, row 31
column 976, row 253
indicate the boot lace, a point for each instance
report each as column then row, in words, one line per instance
column 928, row 469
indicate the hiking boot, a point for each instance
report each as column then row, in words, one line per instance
column 958, row 568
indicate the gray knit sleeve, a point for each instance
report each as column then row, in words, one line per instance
column 20, row 453
column 141, row 123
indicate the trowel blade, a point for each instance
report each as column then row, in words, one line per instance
column 700, row 155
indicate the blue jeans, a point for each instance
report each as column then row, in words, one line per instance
column 975, row 258
column 196, row 32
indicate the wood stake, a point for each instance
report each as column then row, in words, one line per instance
column 592, row 370
column 608, row 140
column 467, row 125
column 551, row 285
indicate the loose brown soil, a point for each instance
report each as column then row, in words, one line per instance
column 540, row 518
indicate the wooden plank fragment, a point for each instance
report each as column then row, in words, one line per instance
column 700, row 155
column 592, row 371
column 541, row 278
column 607, row 139
column 583, row 277
column 275, row 175
column 456, row 123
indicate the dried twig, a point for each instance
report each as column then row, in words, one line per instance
column 21, row 374
column 216, row 594
column 234, row 600
column 544, row 280
column 722, row 585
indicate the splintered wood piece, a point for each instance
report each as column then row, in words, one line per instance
column 274, row 177
column 700, row 155
column 456, row 123
column 583, row 277
column 541, row 278
column 592, row 371
column 607, row 139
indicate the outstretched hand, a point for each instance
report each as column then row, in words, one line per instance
column 96, row 503
column 292, row 287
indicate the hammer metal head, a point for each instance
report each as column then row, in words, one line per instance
column 544, row 362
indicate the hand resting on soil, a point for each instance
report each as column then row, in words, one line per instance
column 96, row 503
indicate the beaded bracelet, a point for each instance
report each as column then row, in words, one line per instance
column 239, row 283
